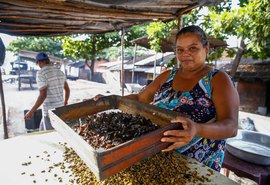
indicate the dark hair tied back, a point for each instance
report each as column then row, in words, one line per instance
column 196, row 30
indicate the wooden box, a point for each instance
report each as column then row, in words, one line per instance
column 104, row 163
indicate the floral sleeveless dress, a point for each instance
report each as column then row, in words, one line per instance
column 197, row 104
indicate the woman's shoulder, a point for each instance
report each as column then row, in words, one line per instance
column 164, row 76
column 221, row 77
column 220, row 74
column 167, row 73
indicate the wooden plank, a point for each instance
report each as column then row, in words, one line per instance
column 135, row 145
column 95, row 10
column 155, row 114
column 148, row 152
column 81, row 147
column 82, row 109
column 128, row 153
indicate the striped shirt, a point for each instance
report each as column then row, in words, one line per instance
column 54, row 79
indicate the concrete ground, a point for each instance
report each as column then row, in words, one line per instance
column 17, row 101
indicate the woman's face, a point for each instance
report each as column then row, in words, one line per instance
column 190, row 52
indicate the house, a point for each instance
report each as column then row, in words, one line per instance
column 77, row 70
column 141, row 72
column 147, row 69
column 253, row 85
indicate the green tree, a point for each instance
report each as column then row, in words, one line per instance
column 49, row 45
column 133, row 33
column 93, row 46
column 88, row 47
column 157, row 31
column 250, row 23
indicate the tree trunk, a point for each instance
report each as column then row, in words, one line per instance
column 93, row 54
column 237, row 58
column 86, row 63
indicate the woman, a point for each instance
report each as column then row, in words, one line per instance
column 207, row 96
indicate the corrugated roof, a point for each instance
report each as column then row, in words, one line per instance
column 161, row 57
column 144, row 64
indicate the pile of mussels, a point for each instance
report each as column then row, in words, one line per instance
column 106, row 130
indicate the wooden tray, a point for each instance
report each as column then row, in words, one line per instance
column 104, row 163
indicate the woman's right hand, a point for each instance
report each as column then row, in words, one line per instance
column 180, row 138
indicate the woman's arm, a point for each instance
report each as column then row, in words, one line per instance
column 226, row 101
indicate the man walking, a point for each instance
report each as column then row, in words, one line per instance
column 51, row 81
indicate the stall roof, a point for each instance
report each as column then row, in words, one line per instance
column 31, row 56
column 167, row 44
column 64, row 17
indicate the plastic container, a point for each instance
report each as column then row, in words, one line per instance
column 33, row 123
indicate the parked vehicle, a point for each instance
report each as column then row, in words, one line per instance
column 18, row 66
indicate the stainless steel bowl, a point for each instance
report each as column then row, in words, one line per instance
column 250, row 146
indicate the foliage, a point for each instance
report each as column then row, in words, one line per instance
column 214, row 54
column 81, row 46
column 49, row 45
column 133, row 33
column 192, row 18
column 224, row 6
column 81, row 49
column 114, row 52
column 77, row 46
column 157, row 31
column 251, row 23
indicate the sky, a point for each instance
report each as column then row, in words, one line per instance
column 7, row 38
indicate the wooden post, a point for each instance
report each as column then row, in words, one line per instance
column 3, row 107
column 134, row 60
column 155, row 65
column 180, row 22
column 2, row 60
column 19, row 74
column 122, row 60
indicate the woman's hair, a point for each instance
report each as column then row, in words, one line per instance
column 196, row 30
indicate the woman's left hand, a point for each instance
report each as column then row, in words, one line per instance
column 180, row 138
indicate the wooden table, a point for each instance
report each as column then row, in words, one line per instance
column 16, row 151
column 258, row 173
column 29, row 79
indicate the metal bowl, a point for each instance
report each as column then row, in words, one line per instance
column 250, row 146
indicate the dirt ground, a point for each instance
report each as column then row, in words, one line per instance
column 18, row 101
